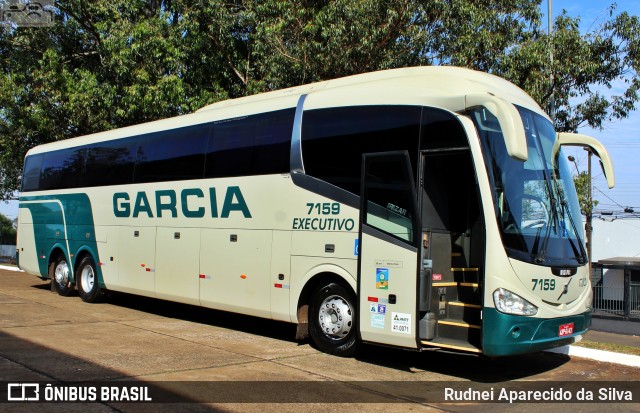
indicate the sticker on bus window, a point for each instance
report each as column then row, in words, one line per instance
column 382, row 278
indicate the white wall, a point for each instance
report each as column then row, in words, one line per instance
column 617, row 238
column 7, row 250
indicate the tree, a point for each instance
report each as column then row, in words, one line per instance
column 103, row 65
column 7, row 231
column 582, row 182
column 107, row 64
column 583, row 65
column 300, row 42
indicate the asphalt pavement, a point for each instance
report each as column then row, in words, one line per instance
column 621, row 332
column 196, row 359
column 615, row 331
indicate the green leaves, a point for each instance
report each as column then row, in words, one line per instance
column 110, row 64
column 582, row 182
column 294, row 43
column 7, row 231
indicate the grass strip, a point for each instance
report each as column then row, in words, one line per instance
column 616, row 348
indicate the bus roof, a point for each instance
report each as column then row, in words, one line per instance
column 425, row 81
column 437, row 86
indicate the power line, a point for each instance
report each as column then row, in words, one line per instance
column 607, row 196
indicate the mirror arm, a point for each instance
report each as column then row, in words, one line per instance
column 510, row 122
column 576, row 139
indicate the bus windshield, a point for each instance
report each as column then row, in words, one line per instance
column 535, row 202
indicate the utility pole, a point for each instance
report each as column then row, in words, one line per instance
column 588, row 227
column 552, row 103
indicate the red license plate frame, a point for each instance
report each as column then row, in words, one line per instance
column 566, row 329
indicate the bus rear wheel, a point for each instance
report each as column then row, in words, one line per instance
column 88, row 287
column 59, row 274
column 332, row 320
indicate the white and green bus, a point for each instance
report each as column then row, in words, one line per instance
column 424, row 208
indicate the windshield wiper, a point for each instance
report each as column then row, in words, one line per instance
column 542, row 253
column 553, row 218
column 582, row 257
column 583, row 254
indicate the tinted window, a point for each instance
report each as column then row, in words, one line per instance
column 62, row 169
column 446, row 167
column 441, row 130
column 333, row 140
column 177, row 154
column 109, row 163
column 31, row 174
column 389, row 194
column 252, row 145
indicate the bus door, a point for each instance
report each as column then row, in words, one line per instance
column 388, row 250
column 452, row 250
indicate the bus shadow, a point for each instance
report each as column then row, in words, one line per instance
column 480, row 369
column 202, row 315
column 470, row 367
column 28, row 364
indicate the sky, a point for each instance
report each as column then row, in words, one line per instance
column 621, row 138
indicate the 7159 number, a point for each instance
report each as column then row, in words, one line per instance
column 543, row 284
column 324, row 208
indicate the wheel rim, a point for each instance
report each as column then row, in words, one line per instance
column 87, row 278
column 62, row 273
column 335, row 317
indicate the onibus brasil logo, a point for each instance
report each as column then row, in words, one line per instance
column 27, row 13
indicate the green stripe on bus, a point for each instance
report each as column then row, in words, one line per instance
column 62, row 221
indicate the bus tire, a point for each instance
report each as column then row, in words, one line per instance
column 332, row 320
column 88, row 287
column 59, row 274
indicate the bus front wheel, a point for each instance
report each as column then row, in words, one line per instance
column 59, row 274
column 88, row 288
column 332, row 320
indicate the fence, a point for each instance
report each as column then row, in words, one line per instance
column 616, row 290
column 7, row 253
column 610, row 301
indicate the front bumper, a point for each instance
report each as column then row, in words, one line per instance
column 506, row 335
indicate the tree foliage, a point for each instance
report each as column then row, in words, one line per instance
column 7, row 231
column 107, row 64
column 587, row 203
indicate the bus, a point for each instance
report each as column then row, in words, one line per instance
column 427, row 208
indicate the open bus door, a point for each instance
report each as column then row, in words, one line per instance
column 388, row 250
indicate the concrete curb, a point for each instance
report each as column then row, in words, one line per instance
column 598, row 355
column 10, row 268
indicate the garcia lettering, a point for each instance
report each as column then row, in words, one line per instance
column 190, row 203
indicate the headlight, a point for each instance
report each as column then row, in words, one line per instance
column 511, row 303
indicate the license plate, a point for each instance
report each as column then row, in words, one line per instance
column 565, row 330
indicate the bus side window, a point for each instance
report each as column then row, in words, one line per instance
column 31, row 176
column 334, row 139
column 252, row 145
column 176, row 154
column 110, row 163
column 62, row 169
